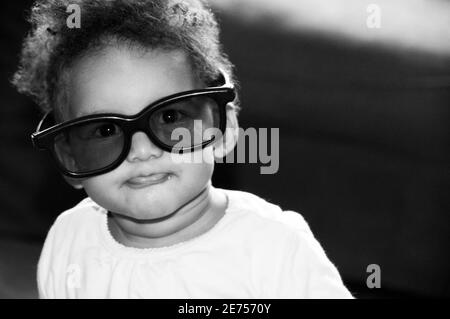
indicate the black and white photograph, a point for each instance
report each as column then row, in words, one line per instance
column 206, row 150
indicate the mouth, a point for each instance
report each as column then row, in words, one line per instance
column 142, row 181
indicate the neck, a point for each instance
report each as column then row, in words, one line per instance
column 192, row 219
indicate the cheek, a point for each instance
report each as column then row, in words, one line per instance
column 197, row 167
column 196, row 173
column 208, row 155
column 99, row 188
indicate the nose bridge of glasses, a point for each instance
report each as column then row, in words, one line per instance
column 139, row 124
column 143, row 123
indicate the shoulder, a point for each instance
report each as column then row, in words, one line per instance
column 71, row 231
column 264, row 225
column 300, row 266
column 80, row 211
column 77, row 218
column 263, row 213
column 72, row 227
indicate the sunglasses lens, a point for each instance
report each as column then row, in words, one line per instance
column 186, row 123
column 88, row 147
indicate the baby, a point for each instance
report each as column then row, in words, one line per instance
column 118, row 91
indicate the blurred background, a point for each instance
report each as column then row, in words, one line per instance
column 360, row 92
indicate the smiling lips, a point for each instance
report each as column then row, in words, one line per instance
column 148, row 180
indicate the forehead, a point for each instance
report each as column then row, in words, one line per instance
column 124, row 80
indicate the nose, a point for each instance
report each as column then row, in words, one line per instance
column 142, row 148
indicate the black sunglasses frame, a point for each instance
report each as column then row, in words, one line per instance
column 44, row 140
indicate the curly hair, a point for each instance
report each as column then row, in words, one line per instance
column 51, row 46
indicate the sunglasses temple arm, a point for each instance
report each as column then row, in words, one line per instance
column 38, row 129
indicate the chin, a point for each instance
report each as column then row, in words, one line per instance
column 145, row 210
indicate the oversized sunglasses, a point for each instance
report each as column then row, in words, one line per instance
column 98, row 143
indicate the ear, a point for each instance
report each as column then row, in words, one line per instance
column 227, row 143
column 75, row 182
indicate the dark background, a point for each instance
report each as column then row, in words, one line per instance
column 364, row 154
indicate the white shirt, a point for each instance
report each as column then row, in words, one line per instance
column 255, row 250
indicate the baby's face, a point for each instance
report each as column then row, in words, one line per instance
column 150, row 183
